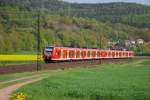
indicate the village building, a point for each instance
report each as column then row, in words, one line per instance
column 140, row 41
column 127, row 43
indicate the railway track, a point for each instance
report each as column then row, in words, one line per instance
column 7, row 69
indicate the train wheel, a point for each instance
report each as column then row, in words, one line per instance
column 47, row 61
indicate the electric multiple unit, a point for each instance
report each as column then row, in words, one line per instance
column 65, row 54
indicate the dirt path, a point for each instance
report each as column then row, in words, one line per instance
column 21, row 79
column 5, row 92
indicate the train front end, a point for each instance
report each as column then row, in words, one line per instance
column 47, row 54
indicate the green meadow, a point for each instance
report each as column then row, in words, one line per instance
column 122, row 81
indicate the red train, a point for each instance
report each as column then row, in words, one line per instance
column 66, row 54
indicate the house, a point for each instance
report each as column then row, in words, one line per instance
column 133, row 42
column 140, row 41
column 147, row 43
column 127, row 43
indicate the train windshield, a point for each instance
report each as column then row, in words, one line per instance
column 48, row 50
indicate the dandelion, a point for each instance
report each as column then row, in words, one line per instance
column 20, row 96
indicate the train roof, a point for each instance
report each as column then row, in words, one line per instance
column 82, row 48
column 71, row 47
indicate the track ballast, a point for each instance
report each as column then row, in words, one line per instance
column 53, row 66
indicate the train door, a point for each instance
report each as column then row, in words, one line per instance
column 77, row 54
column 88, row 54
column 113, row 54
column 98, row 54
column 103, row 54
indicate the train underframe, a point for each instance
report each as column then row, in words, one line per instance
column 76, row 60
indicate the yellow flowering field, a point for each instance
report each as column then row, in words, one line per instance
column 19, row 57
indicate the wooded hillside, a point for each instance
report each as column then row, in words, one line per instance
column 87, row 25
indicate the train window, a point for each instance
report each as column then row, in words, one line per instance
column 88, row 54
column 98, row 54
column 78, row 53
column 123, row 54
column 59, row 53
column 82, row 53
column 126, row 54
column 113, row 54
column 93, row 53
column 106, row 53
column 109, row 54
column 116, row 53
column 71, row 53
column 64, row 53
column 119, row 53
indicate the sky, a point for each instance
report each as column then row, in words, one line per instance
column 147, row 2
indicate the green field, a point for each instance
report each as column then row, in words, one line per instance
column 6, row 63
column 123, row 81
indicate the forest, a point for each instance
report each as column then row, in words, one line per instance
column 71, row 24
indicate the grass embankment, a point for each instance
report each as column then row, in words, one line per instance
column 125, row 81
column 10, row 79
column 5, row 63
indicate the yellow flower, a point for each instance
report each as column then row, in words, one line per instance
column 19, row 96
